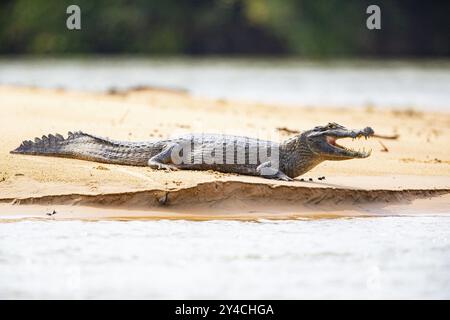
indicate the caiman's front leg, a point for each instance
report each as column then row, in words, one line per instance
column 163, row 159
column 266, row 170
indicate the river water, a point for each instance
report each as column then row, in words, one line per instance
column 403, row 84
column 384, row 257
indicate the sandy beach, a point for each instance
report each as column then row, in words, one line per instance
column 404, row 175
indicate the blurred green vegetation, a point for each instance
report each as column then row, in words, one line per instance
column 312, row 28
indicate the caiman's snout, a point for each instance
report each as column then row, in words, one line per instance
column 367, row 132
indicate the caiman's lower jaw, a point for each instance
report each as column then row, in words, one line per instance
column 348, row 152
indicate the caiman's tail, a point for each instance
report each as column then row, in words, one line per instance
column 80, row 145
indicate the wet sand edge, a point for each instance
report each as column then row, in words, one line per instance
column 229, row 200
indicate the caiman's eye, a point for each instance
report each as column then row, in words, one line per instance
column 332, row 126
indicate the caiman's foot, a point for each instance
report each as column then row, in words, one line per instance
column 281, row 176
column 162, row 166
column 267, row 171
column 162, row 160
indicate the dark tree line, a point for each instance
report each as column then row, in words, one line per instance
column 313, row 28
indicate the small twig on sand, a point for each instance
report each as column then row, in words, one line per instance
column 381, row 136
column 385, row 149
column 289, row 131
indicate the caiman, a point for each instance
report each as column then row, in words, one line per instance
column 224, row 153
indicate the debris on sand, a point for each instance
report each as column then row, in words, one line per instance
column 384, row 136
column 101, row 168
column 288, row 131
column 385, row 149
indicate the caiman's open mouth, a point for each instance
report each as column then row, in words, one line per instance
column 331, row 140
column 322, row 141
